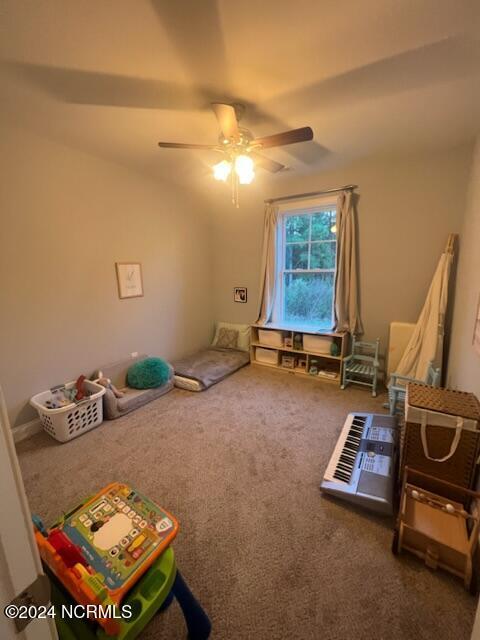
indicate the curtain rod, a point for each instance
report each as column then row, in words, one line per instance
column 297, row 196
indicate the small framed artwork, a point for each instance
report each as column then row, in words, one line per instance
column 476, row 330
column 129, row 279
column 240, row 294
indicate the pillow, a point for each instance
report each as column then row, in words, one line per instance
column 148, row 373
column 227, row 338
column 243, row 343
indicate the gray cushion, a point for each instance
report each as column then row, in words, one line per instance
column 134, row 398
column 209, row 366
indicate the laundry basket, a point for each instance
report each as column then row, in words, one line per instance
column 66, row 423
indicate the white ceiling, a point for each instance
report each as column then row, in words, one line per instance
column 112, row 77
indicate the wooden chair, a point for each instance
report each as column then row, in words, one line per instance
column 397, row 387
column 361, row 366
column 441, row 531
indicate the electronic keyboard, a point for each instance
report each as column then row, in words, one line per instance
column 362, row 466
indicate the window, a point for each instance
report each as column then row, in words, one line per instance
column 307, row 269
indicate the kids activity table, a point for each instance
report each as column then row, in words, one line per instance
column 114, row 550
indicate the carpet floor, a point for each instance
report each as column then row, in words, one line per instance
column 268, row 556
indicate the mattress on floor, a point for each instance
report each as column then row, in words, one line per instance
column 207, row 367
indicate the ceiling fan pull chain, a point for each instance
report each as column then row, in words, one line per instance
column 234, row 180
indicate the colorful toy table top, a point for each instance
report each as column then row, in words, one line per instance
column 119, row 533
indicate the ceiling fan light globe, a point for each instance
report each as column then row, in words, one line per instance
column 222, row 170
column 246, row 177
column 243, row 165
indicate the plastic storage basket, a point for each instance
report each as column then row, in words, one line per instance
column 66, row 423
column 317, row 344
column 267, row 356
column 270, row 338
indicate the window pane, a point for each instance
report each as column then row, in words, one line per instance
column 309, row 298
column 296, row 256
column 322, row 225
column 323, row 255
column 297, row 228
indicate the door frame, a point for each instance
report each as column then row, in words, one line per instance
column 20, row 563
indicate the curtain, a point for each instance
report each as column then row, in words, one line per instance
column 347, row 312
column 426, row 343
column 269, row 261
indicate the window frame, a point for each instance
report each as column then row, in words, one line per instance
column 281, row 245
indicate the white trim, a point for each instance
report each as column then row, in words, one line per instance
column 19, row 558
column 476, row 625
column 26, row 430
column 309, row 241
column 308, row 270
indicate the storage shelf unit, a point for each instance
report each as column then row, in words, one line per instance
column 292, row 350
column 271, row 340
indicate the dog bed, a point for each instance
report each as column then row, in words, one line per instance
column 205, row 368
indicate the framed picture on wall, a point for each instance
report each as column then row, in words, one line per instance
column 129, row 279
column 476, row 330
column 240, row 294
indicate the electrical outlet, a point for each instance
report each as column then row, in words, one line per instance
column 134, row 354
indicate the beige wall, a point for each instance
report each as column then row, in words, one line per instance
column 66, row 217
column 464, row 367
column 407, row 207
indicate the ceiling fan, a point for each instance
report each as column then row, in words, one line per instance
column 240, row 148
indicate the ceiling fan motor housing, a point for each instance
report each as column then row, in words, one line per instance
column 237, row 144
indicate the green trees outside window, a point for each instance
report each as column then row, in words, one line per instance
column 309, row 268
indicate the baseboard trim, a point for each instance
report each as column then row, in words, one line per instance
column 26, row 430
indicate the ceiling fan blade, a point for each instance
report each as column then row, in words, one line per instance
column 181, row 145
column 227, row 119
column 266, row 163
column 256, row 116
column 287, row 137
